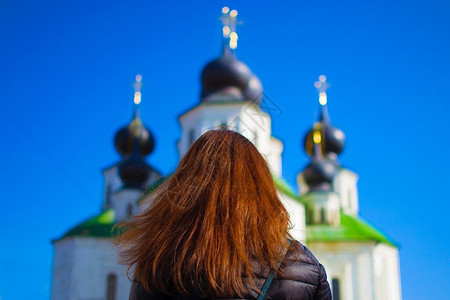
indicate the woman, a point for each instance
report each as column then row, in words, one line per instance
column 217, row 229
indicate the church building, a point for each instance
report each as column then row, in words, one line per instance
column 361, row 262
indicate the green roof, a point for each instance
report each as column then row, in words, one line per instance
column 351, row 229
column 98, row 226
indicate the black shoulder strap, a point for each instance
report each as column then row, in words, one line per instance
column 271, row 276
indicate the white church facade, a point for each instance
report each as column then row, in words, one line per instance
column 361, row 262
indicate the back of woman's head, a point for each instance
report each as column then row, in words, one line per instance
column 210, row 221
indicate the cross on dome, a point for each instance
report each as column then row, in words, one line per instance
column 136, row 125
column 135, row 136
column 321, row 85
column 230, row 37
column 137, row 89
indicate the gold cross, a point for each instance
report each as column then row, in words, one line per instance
column 229, row 22
column 322, row 86
column 137, row 89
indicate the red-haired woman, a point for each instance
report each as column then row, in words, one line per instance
column 217, row 229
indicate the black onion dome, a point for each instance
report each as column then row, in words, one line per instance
column 228, row 72
column 333, row 140
column 125, row 136
column 134, row 171
column 319, row 174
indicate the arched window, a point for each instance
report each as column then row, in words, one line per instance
column 335, row 289
column 191, row 136
column 130, row 210
column 111, row 288
column 322, row 215
column 309, row 216
column 108, row 194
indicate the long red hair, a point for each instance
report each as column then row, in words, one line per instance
column 209, row 222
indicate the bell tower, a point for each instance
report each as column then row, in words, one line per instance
column 125, row 181
column 324, row 176
column 231, row 96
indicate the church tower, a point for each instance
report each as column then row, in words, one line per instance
column 133, row 142
column 361, row 262
column 85, row 261
column 232, row 96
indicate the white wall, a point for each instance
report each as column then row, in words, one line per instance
column 366, row 270
column 296, row 212
column 351, row 263
column 112, row 182
column 387, row 273
column 122, row 200
column 345, row 184
column 247, row 118
column 81, row 268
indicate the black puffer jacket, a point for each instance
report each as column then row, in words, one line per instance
column 304, row 279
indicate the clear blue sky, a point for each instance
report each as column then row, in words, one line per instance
column 66, row 75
